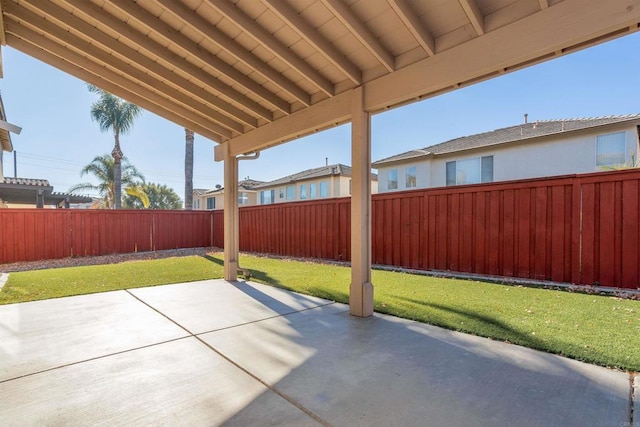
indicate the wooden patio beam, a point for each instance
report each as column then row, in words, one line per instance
column 120, row 88
column 105, row 59
column 474, row 14
column 266, row 39
column 330, row 112
column 213, row 34
column 178, row 39
column 155, row 49
column 312, row 36
column 361, row 32
column 361, row 288
column 413, row 24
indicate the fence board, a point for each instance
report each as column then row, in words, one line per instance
column 582, row 228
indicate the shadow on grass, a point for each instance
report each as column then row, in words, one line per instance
column 256, row 275
column 263, row 277
column 496, row 329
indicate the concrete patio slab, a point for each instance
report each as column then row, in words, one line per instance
column 112, row 359
column 41, row 335
column 387, row 371
column 214, row 304
column 636, row 401
column 181, row 382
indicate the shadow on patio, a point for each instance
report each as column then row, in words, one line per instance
column 278, row 358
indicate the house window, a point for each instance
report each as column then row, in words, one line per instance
column 323, row 189
column 243, row 198
column 266, row 197
column 410, row 177
column 303, row 192
column 211, row 203
column 349, row 186
column 197, row 204
column 392, row 180
column 291, row 192
column 470, row 171
column 610, row 149
column 312, row 191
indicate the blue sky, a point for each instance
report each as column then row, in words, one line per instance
column 58, row 136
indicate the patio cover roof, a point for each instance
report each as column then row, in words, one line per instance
column 253, row 73
column 25, row 191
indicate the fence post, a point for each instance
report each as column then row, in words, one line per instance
column 576, row 231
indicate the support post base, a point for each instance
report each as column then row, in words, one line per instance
column 361, row 299
column 230, row 270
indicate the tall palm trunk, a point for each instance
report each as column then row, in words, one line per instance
column 188, row 169
column 117, row 171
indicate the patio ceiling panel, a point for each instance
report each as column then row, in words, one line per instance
column 254, row 73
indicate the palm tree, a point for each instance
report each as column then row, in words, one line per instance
column 115, row 114
column 188, row 169
column 102, row 168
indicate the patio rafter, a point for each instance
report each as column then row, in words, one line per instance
column 474, row 14
column 414, row 25
column 361, row 32
column 161, row 52
column 211, row 33
column 311, row 35
column 128, row 70
column 207, row 58
column 246, row 24
column 149, row 101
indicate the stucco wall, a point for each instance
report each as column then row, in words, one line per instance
column 337, row 186
column 550, row 157
column 423, row 176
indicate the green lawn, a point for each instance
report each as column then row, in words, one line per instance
column 596, row 329
column 59, row 282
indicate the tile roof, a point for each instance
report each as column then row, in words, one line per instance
column 336, row 169
column 27, row 181
column 199, row 191
column 245, row 184
column 519, row 132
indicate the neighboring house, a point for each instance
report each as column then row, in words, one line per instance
column 214, row 199
column 319, row 183
column 197, row 200
column 35, row 193
column 529, row 150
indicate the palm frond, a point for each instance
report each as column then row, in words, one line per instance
column 138, row 192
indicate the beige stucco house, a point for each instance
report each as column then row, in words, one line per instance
column 214, row 199
column 529, row 150
column 318, row 183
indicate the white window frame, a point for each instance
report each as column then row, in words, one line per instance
column 623, row 153
column 392, row 184
column 482, row 160
column 408, row 175
column 290, row 193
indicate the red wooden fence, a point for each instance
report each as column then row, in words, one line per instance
column 580, row 229
column 35, row 234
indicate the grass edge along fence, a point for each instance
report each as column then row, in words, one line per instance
column 582, row 229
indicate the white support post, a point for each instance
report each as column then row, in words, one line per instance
column 231, row 234
column 361, row 289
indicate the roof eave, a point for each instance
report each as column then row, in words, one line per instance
column 384, row 162
column 630, row 122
